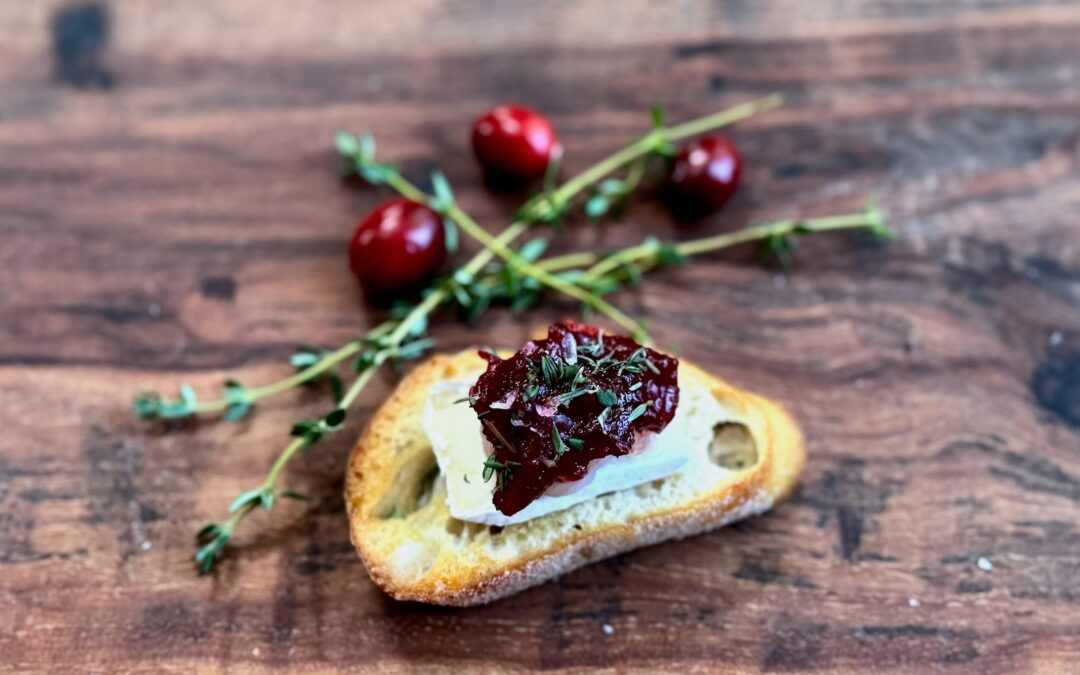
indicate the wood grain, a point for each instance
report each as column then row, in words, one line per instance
column 169, row 210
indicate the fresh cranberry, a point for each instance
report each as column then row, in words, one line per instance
column 514, row 141
column 703, row 177
column 397, row 246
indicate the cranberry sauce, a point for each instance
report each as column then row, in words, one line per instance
column 558, row 404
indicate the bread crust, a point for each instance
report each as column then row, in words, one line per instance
column 417, row 558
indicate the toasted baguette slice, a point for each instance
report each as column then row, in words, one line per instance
column 412, row 547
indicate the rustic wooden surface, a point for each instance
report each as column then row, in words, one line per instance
column 169, row 211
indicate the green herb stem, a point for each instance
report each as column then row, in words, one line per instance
column 321, row 366
column 568, row 261
column 634, row 175
column 723, row 118
column 473, row 229
column 324, row 364
column 398, row 183
column 398, row 332
column 647, row 253
column 300, row 444
column 869, row 220
column 228, row 526
column 500, row 247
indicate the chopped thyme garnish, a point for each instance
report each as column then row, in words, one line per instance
column 471, row 400
column 548, row 370
column 635, row 386
column 502, row 439
column 575, row 443
column 531, row 392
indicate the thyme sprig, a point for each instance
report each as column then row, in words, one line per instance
column 615, row 270
column 305, row 433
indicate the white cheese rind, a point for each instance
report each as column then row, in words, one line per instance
column 460, row 449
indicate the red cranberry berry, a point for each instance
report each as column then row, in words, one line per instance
column 515, row 142
column 703, row 177
column 397, row 247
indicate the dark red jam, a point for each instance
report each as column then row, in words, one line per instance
column 558, row 404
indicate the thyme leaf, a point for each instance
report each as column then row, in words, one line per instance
column 607, row 398
column 498, row 435
column 557, row 441
column 519, row 280
column 638, row 411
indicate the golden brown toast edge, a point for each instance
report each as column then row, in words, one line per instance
column 371, row 467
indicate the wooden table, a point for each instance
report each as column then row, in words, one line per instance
column 170, row 211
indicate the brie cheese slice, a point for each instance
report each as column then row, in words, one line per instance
column 460, row 449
